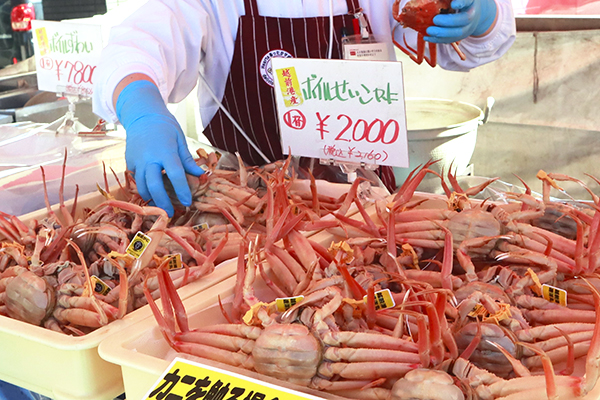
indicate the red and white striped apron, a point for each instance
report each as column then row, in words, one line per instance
column 248, row 96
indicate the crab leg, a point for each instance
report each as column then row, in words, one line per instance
column 337, row 354
column 365, row 370
column 155, row 233
column 281, row 271
column 303, row 249
column 365, row 339
column 560, row 354
column 236, row 359
column 290, row 262
column 592, row 363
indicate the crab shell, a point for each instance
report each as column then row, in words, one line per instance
column 426, row 384
column 289, row 352
column 418, row 14
column 29, row 298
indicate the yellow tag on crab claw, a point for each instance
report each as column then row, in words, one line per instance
column 174, row 262
column 200, row 227
column 503, row 313
column 335, row 248
column 104, row 193
column 138, row 244
column 285, row 303
column 408, row 250
column 249, row 316
column 383, row 299
column 554, row 295
column 99, row 286
column 479, row 311
column 543, row 176
column 116, row 255
column 537, row 287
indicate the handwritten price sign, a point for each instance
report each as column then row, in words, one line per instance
column 347, row 111
column 67, row 55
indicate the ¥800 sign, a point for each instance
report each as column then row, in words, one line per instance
column 67, row 55
column 348, row 111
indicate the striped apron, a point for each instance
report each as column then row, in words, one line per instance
column 249, row 96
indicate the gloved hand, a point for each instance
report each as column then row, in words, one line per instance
column 473, row 18
column 154, row 142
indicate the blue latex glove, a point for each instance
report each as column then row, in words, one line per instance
column 155, row 142
column 472, row 18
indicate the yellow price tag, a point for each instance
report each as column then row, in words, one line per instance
column 285, row 303
column 100, row 286
column 200, row 227
column 290, row 88
column 185, row 379
column 554, row 295
column 174, row 262
column 138, row 244
column 478, row 311
column 383, row 299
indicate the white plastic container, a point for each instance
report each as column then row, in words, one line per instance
column 69, row 368
column 144, row 355
column 444, row 130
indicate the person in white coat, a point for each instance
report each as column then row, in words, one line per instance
column 161, row 52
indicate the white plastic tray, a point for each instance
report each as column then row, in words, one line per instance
column 69, row 368
column 144, row 355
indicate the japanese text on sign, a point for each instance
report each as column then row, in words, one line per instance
column 341, row 113
column 66, row 56
column 315, row 88
column 184, row 380
column 288, row 81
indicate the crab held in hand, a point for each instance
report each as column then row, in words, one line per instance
column 418, row 15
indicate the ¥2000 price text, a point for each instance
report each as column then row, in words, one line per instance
column 360, row 130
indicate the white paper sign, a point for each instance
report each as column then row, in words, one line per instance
column 66, row 56
column 347, row 111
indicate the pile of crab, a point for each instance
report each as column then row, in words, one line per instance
column 74, row 271
column 231, row 198
column 477, row 309
column 74, row 275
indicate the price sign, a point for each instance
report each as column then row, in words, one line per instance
column 184, row 380
column 347, row 111
column 66, row 56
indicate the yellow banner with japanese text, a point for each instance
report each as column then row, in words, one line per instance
column 290, row 88
column 187, row 380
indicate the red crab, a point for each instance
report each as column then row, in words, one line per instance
column 418, row 15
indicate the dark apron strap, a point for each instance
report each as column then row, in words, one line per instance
column 353, row 6
column 251, row 6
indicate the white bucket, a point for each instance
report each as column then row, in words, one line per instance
column 443, row 130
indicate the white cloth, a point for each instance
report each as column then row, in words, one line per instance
column 172, row 41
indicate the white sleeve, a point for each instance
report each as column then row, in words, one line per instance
column 166, row 40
